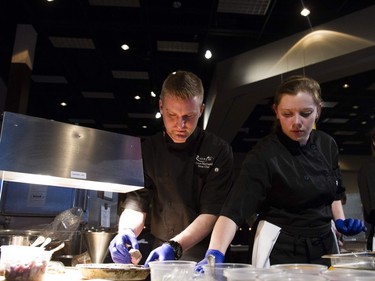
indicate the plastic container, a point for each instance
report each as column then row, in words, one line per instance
column 356, row 260
column 172, row 270
column 348, row 274
column 285, row 276
column 24, row 263
column 247, row 274
column 219, row 270
column 307, row 268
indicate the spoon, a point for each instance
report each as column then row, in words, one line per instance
column 59, row 247
column 38, row 241
column 211, row 263
column 46, row 242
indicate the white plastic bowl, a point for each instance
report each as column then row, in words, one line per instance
column 24, row 263
column 172, row 270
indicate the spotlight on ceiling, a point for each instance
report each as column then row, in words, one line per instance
column 208, row 54
column 125, row 47
column 305, row 12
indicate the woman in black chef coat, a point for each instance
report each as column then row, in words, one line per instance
column 291, row 179
column 188, row 174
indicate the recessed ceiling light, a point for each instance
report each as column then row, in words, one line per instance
column 305, row 12
column 208, row 54
column 137, row 97
column 345, row 86
column 63, row 103
column 153, row 94
column 125, row 47
column 157, row 115
column 144, row 127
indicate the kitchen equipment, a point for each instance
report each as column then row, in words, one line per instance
column 18, row 237
column 66, row 155
column 97, row 243
column 172, row 270
column 355, row 260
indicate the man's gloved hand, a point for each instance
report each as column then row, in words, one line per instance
column 162, row 253
column 121, row 244
column 350, row 226
column 219, row 258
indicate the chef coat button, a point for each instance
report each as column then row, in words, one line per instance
column 216, row 169
column 313, row 146
column 306, row 178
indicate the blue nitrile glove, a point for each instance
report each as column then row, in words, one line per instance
column 163, row 253
column 119, row 246
column 350, row 226
column 219, row 258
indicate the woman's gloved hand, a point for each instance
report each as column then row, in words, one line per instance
column 121, row 244
column 162, row 253
column 350, row 226
column 219, row 258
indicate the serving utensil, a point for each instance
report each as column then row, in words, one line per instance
column 46, row 242
column 39, row 240
column 59, row 247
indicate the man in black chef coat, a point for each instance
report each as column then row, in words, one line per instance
column 188, row 174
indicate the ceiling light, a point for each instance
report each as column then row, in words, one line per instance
column 137, row 97
column 305, row 12
column 153, row 94
column 157, row 115
column 345, row 86
column 144, row 127
column 63, row 104
column 208, row 54
column 125, row 47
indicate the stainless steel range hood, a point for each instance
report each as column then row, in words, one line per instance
column 39, row 151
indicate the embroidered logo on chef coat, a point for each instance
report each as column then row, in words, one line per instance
column 204, row 162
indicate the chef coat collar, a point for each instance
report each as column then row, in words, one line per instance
column 189, row 142
column 295, row 145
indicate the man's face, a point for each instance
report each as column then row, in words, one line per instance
column 180, row 116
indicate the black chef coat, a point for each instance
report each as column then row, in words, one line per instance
column 292, row 187
column 182, row 180
column 366, row 184
column 287, row 184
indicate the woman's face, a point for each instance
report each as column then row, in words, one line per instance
column 180, row 116
column 297, row 115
